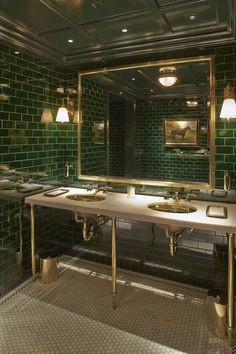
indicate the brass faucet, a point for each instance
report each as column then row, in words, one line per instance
column 176, row 197
column 67, row 169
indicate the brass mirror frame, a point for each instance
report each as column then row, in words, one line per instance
column 177, row 184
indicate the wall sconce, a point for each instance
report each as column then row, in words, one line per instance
column 167, row 76
column 62, row 113
column 228, row 109
column 47, row 116
column 78, row 117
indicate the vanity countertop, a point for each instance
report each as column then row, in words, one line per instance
column 117, row 204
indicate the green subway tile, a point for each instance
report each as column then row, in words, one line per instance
column 224, row 166
column 224, row 149
column 230, row 141
column 225, row 133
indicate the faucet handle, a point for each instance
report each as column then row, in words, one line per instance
column 189, row 196
column 166, row 195
column 104, row 189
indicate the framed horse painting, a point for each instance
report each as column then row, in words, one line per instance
column 181, row 132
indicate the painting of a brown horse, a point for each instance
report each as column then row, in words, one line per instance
column 180, row 132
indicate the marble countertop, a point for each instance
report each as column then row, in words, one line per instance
column 117, row 204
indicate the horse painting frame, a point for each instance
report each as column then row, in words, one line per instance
column 181, row 132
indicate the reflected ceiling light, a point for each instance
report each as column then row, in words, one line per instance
column 133, row 78
column 47, row 116
column 17, row 52
column 124, row 30
column 228, row 109
column 167, row 76
column 70, row 40
column 192, row 17
column 62, row 113
column 191, row 103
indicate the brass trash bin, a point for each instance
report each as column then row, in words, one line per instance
column 217, row 312
column 49, row 267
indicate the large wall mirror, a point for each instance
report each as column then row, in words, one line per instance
column 152, row 123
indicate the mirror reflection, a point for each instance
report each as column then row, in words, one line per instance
column 148, row 122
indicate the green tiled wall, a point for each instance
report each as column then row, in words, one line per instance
column 158, row 162
column 28, row 145
column 25, row 143
column 117, row 116
column 94, row 108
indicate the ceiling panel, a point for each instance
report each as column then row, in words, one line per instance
column 60, row 39
column 138, row 27
column 206, row 15
column 83, row 11
column 32, row 14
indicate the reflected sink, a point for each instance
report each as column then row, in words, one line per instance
column 173, row 207
column 86, row 197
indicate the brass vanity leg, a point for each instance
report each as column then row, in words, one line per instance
column 230, row 308
column 32, row 233
column 114, row 285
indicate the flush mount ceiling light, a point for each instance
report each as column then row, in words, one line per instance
column 133, row 78
column 228, row 109
column 192, row 17
column 167, row 76
column 70, row 40
column 62, row 113
column 17, row 52
column 124, row 30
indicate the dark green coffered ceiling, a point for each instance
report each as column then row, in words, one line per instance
column 95, row 26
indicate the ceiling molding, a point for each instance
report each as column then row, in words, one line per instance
column 164, row 31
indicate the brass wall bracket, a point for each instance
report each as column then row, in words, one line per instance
column 89, row 230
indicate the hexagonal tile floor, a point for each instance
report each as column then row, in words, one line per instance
column 74, row 315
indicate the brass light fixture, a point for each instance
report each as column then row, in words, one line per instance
column 47, row 116
column 228, row 109
column 47, row 113
column 62, row 113
column 78, row 117
column 167, row 76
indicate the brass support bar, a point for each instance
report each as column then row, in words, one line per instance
column 32, row 234
column 230, row 308
column 114, row 285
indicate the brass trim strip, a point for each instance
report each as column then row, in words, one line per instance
column 32, row 234
column 230, row 307
column 114, row 284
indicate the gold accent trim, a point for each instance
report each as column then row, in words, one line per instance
column 218, row 216
column 177, row 184
column 32, row 234
column 114, row 284
column 230, row 307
